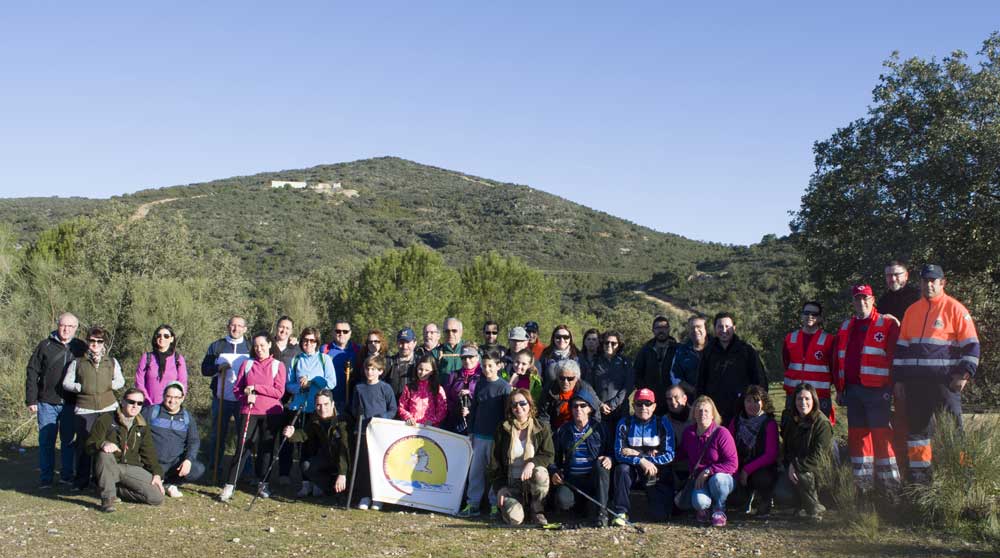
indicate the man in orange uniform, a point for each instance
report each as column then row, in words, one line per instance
column 865, row 344
column 936, row 354
column 809, row 357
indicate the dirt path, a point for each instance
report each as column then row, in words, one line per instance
column 667, row 304
column 143, row 210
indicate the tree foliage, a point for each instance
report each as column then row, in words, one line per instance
column 507, row 291
column 917, row 178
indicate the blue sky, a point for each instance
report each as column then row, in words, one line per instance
column 692, row 119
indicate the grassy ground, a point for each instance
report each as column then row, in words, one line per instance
column 58, row 522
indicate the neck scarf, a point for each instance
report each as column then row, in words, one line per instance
column 747, row 429
column 515, row 433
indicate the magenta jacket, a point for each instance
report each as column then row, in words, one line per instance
column 146, row 381
column 770, row 455
column 421, row 407
column 720, row 457
column 269, row 388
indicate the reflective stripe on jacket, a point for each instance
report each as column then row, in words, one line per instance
column 809, row 364
column 937, row 339
column 876, row 354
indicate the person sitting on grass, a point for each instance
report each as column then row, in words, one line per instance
column 518, row 470
column 124, row 455
column 175, row 437
column 486, row 414
column 582, row 459
column 423, row 400
column 756, row 435
column 373, row 398
column 807, row 437
column 711, row 453
column 644, row 448
column 326, row 442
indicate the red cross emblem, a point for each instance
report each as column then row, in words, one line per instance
column 879, row 336
column 818, row 355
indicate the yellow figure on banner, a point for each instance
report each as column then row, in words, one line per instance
column 415, row 463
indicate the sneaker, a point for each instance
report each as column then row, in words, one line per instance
column 227, row 493
column 306, row 490
column 173, row 491
column 601, row 521
column 263, row 490
column 376, row 506
column 468, row 511
column 66, row 482
column 494, row 513
column 541, row 519
column 620, row 520
column 45, row 485
column 285, row 480
column 701, row 516
column 317, row 491
column 108, row 505
column 719, row 519
column 364, row 503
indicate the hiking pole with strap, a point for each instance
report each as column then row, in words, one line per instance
column 357, row 451
column 243, row 444
column 604, row 507
column 274, row 459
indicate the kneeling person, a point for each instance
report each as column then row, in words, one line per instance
column 644, row 448
column 124, row 456
column 582, row 459
column 326, row 441
column 175, row 437
column 518, row 468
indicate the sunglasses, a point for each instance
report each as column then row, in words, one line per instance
column 580, row 406
column 611, row 343
column 374, row 341
column 521, row 403
column 164, row 336
column 463, row 357
column 809, row 313
column 308, row 340
column 341, row 331
column 559, row 336
column 644, row 403
column 452, row 330
column 567, row 378
column 133, row 402
column 491, row 332
column 95, row 341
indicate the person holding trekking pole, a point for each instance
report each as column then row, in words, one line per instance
column 223, row 358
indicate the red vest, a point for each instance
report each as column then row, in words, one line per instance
column 876, row 355
column 809, row 364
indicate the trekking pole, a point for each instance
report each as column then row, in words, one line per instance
column 354, row 468
column 274, row 459
column 616, row 515
column 218, row 434
column 243, row 443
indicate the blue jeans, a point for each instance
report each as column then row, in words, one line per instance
column 55, row 420
column 719, row 486
column 230, row 410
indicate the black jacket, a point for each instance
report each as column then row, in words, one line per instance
column 548, row 406
column 896, row 302
column 726, row 373
column 46, row 369
column 653, row 372
column 329, row 438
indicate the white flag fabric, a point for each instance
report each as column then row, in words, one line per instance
column 417, row 466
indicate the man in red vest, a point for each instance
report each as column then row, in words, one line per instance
column 808, row 356
column 865, row 345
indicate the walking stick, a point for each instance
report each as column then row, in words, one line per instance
column 218, row 433
column 243, row 443
column 604, row 507
column 274, row 459
column 354, row 468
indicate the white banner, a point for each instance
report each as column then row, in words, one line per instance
column 418, row 466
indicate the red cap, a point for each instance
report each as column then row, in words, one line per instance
column 645, row 394
column 862, row 290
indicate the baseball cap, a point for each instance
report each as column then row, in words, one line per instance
column 645, row 394
column 531, row 326
column 468, row 351
column 931, row 271
column 406, row 334
column 862, row 290
column 517, row 334
column 177, row 385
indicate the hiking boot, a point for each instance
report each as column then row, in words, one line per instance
column 494, row 513
column 173, row 491
column 45, row 485
column 468, row 511
column 601, row 521
column 540, row 519
column 803, row 514
column 108, row 505
column 620, row 520
column 306, row 489
column 701, row 516
column 65, row 482
column 364, row 503
column 227, row 493
column 719, row 519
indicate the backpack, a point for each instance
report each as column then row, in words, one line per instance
column 149, row 356
column 185, row 417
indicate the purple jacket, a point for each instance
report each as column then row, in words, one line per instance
column 457, row 381
column 720, row 457
column 269, row 389
column 146, row 381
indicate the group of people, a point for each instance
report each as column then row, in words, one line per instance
column 556, row 427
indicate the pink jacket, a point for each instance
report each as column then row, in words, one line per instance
column 421, row 407
column 269, row 388
column 146, row 381
column 770, row 455
column 720, row 457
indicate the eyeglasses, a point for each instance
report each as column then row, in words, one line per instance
column 452, row 330
column 567, row 379
column 308, row 340
column 810, row 313
column 341, row 331
column 133, row 402
column 644, row 403
column 520, row 403
column 164, row 336
column 95, row 341
column 430, row 332
column 611, row 343
column 172, row 397
column 580, row 406
column 374, row 341
column 488, row 332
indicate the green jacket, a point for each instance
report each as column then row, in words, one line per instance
column 807, row 443
column 541, row 438
column 135, row 444
column 326, row 437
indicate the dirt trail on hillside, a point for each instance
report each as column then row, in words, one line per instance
column 143, row 210
column 667, row 304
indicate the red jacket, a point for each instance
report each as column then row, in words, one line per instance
column 811, row 364
column 876, row 351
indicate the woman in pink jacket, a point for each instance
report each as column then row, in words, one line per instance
column 423, row 400
column 259, row 386
column 756, row 435
column 711, row 455
column 160, row 367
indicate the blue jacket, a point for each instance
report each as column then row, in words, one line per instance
column 598, row 444
column 174, row 436
column 653, row 438
column 341, row 358
column 684, row 369
column 321, row 373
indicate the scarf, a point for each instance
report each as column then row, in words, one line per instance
column 161, row 362
column 515, row 433
column 747, row 429
column 560, row 355
column 95, row 357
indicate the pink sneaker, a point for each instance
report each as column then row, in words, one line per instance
column 719, row 519
column 701, row 516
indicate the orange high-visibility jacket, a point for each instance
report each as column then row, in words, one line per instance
column 937, row 339
column 809, row 364
column 876, row 354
